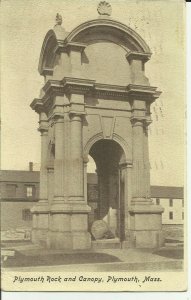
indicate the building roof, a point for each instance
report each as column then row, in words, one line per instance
column 19, row 176
column 34, row 176
column 173, row 192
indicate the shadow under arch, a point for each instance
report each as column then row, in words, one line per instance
column 108, row 156
column 116, row 138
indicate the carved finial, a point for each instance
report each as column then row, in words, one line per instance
column 58, row 19
column 104, row 8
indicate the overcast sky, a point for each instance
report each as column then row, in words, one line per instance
column 160, row 23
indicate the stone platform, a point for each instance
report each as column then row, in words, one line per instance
column 106, row 244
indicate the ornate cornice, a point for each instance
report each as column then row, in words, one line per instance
column 77, row 85
column 115, row 91
column 37, row 105
column 53, row 87
column 88, row 87
column 141, row 92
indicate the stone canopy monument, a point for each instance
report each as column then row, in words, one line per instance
column 95, row 101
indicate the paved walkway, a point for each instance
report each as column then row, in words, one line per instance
column 94, row 260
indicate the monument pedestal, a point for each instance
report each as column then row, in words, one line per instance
column 145, row 226
column 40, row 224
column 68, row 226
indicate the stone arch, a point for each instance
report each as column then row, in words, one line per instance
column 108, row 29
column 53, row 39
column 119, row 140
column 57, row 39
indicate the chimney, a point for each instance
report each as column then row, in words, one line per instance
column 30, row 166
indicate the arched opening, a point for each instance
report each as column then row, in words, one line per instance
column 105, row 188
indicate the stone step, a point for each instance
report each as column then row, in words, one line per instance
column 106, row 244
column 174, row 245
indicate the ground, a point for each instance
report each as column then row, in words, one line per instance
column 30, row 257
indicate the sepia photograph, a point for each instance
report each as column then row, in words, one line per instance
column 93, row 109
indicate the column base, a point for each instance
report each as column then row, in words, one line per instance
column 146, row 226
column 69, row 226
column 40, row 236
column 69, row 240
column 150, row 239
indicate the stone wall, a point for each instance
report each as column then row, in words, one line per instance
column 12, row 216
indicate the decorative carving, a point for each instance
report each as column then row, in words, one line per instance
column 104, row 8
column 58, row 19
column 107, row 124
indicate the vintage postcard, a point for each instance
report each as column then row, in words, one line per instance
column 93, row 145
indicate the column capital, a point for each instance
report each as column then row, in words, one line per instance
column 43, row 127
column 86, row 159
column 76, row 115
column 138, row 121
column 132, row 55
column 148, row 122
column 58, row 117
column 126, row 165
column 74, row 46
column 43, row 122
column 43, row 130
column 50, row 166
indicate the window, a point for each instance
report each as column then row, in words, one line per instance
column 11, row 190
column 171, row 215
column 26, row 214
column 30, row 191
column 182, row 215
column 158, row 201
column 171, row 202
